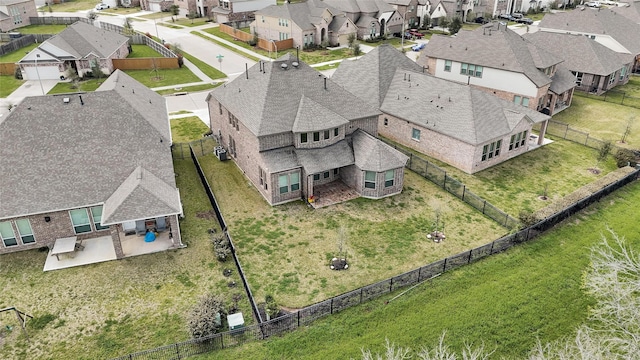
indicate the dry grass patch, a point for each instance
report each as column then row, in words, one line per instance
column 285, row 250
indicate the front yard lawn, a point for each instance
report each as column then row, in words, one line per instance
column 285, row 250
column 164, row 77
column 70, row 87
column 8, row 84
column 603, row 120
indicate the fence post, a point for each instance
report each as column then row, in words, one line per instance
column 464, row 189
column 390, row 284
column 331, row 308
column 444, row 182
column 178, row 352
column 419, row 273
column 484, row 205
column 566, row 129
column 469, row 260
column 201, row 148
column 360, row 295
column 410, row 159
column 586, row 140
column 506, row 219
column 491, row 250
column 623, row 95
column 444, row 266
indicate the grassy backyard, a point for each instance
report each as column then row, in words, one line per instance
column 285, row 250
column 109, row 309
column 142, row 51
column 164, row 77
column 69, row 6
column 16, row 55
column 515, row 185
column 507, row 301
column 42, row 29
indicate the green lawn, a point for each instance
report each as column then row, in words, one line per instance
column 163, row 77
column 515, row 185
column 109, row 309
column 198, row 33
column 15, row 56
column 143, row 51
column 70, row 6
column 533, row 291
column 119, row 11
column 42, row 29
column 70, row 87
column 285, row 250
column 159, row 15
column 8, row 84
column 209, row 70
column 603, row 120
column 187, row 129
column 190, row 22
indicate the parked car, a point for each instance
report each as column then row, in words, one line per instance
column 506, row 17
column 517, row 16
column 593, row 4
column 416, row 34
column 418, row 47
column 527, row 21
column 102, row 6
column 481, row 20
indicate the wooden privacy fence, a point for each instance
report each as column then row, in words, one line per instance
column 265, row 44
column 145, row 63
column 236, row 33
column 7, row 68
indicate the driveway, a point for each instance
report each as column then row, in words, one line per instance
column 29, row 88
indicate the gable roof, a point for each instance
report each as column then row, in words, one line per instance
column 360, row 6
column 315, row 117
column 493, row 46
column 82, row 39
column 86, row 149
column 374, row 72
column 456, row 110
column 268, row 101
column 580, row 53
column 596, row 22
column 304, row 14
column 141, row 195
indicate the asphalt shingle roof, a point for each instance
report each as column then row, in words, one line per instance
column 57, row 156
column 360, row 6
column 456, row 110
column 493, row 46
column 596, row 22
column 579, row 52
column 82, row 39
column 268, row 102
column 372, row 154
column 304, row 14
column 374, row 72
column 330, row 157
column 631, row 12
column 315, row 117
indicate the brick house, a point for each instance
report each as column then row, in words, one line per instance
column 15, row 14
column 237, row 10
column 291, row 131
column 459, row 124
column 372, row 17
column 451, row 9
column 495, row 59
column 79, row 49
column 596, row 68
column 306, row 23
column 605, row 26
column 90, row 165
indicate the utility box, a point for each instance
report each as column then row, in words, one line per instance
column 235, row 321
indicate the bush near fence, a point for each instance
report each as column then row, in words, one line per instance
column 366, row 293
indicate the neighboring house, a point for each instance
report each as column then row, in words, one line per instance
column 102, row 167
column 307, row 23
column 78, row 49
column 412, row 11
column 156, row 5
column 498, row 60
column 293, row 131
column 605, row 26
column 463, row 126
column 596, row 68
column 237, row 10
column 451, row 9
column 15, row 14
column 372, row 17
column 630, row 10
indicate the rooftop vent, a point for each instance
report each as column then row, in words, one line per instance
column 66, row 100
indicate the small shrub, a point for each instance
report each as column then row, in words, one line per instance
column 271, row 307
column 39, row 322
column 624, row 157
column 221, row 246
column 204, row 319
column 527, row 218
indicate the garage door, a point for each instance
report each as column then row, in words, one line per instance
column 46, row 72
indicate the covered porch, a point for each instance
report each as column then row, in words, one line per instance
column 332, row 193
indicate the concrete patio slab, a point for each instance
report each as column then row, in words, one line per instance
column 95, row 250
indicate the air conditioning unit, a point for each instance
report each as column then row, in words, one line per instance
column 221, row 153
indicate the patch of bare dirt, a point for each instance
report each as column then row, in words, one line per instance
column 206, row 215
column 594, row 171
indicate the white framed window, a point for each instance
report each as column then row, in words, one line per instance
column 326, row 134
column 96, row 215
column 316, row 136
column 415, row 134
column 518, row 140
column 80, row 221
column 471, row 70
column 325, row 174
column 289, row 182
column 612, row 78
column 25, row 231
column 389, row 175
column 303, row 138
column 623, row 72
column 336, row 132
column 316, row 177
column 491, row 150
column 370, row 179
column 7, row 234
column 521, row 100
column 447, row 65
